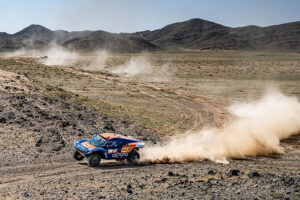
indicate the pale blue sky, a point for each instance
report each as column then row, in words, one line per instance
column 138, row 15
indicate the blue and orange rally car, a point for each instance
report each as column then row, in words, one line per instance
column 107, row 146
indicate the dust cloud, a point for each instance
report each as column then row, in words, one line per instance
column 57, row 55
column 94, row 61
column 142, row 66
column 135, row 66
column 20, row 52
column 97, row 61
column 139, row 66
column 257, row 130
column 60, row 56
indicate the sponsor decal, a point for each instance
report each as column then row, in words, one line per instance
column 113, row 151
column 125, row 149
column 117, row 155
column 140, row 144
column 88, row 145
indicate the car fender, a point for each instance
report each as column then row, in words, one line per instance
column 87, row 149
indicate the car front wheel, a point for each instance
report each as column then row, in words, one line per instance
column 76, row 155
column 94, row 160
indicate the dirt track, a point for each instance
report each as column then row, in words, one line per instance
column 276, row 177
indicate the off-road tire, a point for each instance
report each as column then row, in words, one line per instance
column 94, row 160
column 133, row 157
column 77, row 156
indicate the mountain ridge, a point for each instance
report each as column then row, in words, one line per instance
column 195, row 34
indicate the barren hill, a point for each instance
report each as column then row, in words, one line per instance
column 38, row 37
column 109, row 41
column 190, row 34
column 195, row 34
column 202, row 34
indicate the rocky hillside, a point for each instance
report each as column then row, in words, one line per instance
column 202, row 34
column 192, row 34
column 36, row 37
column 39, row 123
column 111, row 42
column 39, row 37
column 195, row 33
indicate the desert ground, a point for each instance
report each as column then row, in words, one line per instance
column 46, row 107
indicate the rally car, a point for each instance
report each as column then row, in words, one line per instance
column 107, row 146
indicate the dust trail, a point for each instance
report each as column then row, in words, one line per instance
column 58, row 55
column 257, row 130
column 135, row 66
column 141, row 66
column 20, row 52
column 97, row 61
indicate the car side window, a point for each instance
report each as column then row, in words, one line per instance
column 114, row 144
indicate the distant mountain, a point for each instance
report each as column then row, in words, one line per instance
column 62, row 36
column 111, row 42
column 36, row 37
column 39, row 37
column 192, row 34
column 202, row 34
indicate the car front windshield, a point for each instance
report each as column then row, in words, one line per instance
column 97, row 141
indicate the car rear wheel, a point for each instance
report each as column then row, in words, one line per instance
column 134, row 157
column 76, row 155
column 94, row 160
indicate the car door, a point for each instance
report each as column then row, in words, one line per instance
column 114, row 149
column 112, row 146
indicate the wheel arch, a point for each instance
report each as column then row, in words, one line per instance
column 101, row 153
